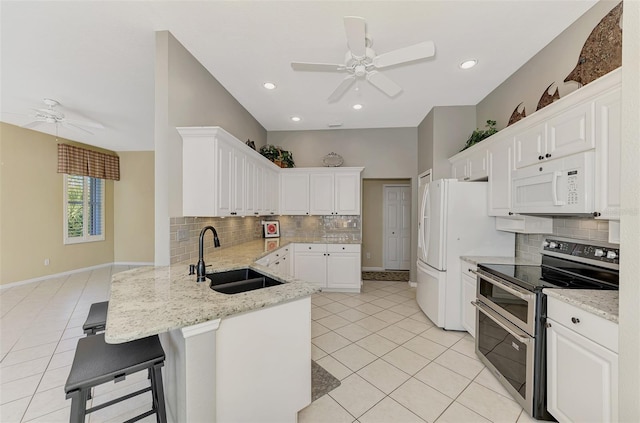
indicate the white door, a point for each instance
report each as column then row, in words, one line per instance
column 397, row 227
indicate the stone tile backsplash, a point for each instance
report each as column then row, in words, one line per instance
column 528, row 246
column 185, row 231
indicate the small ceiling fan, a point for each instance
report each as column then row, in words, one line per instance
column 52, row 115
column 362, row 62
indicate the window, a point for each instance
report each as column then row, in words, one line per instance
column 83, row 209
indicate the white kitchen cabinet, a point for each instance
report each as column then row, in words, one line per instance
column 219, row 174
column 459, row 169
column 271, row 191
column 499, row 184
column 347, row 192
column 608, row 110
column 473, row 166
column 582, row 365
column 332, row 267
column 294, row 192
column 468, row 295
column 321, row 193
column 530, row 145
column 279, row 261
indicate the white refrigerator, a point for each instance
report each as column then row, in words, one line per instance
column 453, row 223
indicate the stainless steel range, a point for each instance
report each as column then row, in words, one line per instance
column 511, row 311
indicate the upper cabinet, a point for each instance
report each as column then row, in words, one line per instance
column 221, row 176
column 471, row 166
column 320, row 191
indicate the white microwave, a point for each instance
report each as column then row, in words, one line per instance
column 560, row 186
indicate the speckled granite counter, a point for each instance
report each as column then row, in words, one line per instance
column 496, row 260
column 603, row 303
column 151, row 300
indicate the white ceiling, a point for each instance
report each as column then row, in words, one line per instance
column 97, row 58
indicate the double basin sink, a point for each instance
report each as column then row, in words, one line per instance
column 240, row 280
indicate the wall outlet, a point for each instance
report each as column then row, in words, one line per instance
column 46, row 262
column 368, row 256
column 183, row 234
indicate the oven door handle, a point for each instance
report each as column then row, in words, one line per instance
column 513, row 331
column 512, row 290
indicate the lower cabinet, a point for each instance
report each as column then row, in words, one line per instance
column 582, row 365
column 332, row 267
column 468, row 295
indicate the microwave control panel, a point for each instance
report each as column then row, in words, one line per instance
column 572, row 187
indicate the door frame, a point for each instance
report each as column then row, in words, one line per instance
column 384, row 220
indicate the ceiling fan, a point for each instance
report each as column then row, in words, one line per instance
column 362, row 62
column 52, row 115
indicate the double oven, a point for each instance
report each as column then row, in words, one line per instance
column 511, row 312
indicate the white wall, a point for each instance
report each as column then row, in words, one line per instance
column 629, row 386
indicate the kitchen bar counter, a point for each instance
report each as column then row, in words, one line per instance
column 151, row 300
column 603, row 303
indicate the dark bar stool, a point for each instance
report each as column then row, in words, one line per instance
column 97, row 362
column 97, row 318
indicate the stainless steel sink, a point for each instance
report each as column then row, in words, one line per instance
column 240, row 280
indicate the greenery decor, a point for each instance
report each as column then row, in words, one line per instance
column 479, row 135
column 282, row 158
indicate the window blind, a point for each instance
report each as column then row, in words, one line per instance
column 74, row 160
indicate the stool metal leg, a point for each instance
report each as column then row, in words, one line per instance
column 158, row 393
column 78, row 405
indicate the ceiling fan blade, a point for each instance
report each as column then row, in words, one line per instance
column 342, row 88
column 355, row 27
column 33, row 124
column 317, row 67
column 405, row 54
column 383, row 83
column 87, row 123
column 66, row 124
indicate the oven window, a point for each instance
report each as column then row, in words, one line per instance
column 506, row 301
column 506, row 353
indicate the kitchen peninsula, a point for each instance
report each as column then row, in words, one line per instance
column 239, row 357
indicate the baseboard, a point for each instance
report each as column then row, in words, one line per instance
column 373, row 269
column 413, row 284
column 70, row 272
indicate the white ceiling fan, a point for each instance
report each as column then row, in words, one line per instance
column 52, row 115
column 362, row 62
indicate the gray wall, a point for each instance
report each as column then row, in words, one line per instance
column 186, row 95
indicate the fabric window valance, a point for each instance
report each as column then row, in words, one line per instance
column 74, row 160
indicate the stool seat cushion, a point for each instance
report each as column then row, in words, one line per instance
column 97, row 316
column 97, row 362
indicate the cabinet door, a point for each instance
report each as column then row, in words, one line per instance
column 343, row 270
column 477, row 166
column 608, row 136
column 468, row 295
column 271, row 191
column 250, row 188
column 499, row 185
column 459, row 170
column 225, row 156
column 530, row 145
column 321, row 194
column 582, row 377
column 259, row 180
column 347, row 193
column 238, row 183
column 570, row 132
column 311, row 267
column 294, row 193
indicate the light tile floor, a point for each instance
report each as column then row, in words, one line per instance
column 394, row 364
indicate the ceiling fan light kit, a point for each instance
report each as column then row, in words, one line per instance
column 361, row 61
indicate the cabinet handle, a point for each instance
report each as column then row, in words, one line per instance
column 510, row 213
column 309, row 247
column 540, row 157
column 343, row 248
column 547, row 155
column 575, row 320
column 596, row 214
column 467, row 178
column 548, row 325
column 256, row 213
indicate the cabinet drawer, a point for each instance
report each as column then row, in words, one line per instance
column 316, row 248
column 591, row 326
column 343, row 248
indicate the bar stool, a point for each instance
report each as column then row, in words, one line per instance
column 96, row 362
column 96, row 319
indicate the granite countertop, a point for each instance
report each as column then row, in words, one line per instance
column 603, row 303
column 151, row 300
column 497, row 260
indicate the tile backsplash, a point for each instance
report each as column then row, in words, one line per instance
column 185, row 231
column 528, row 246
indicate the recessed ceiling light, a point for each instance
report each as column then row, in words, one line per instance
column 468, row 64
column 269, row 85
column 357, row 106
column 295, row 118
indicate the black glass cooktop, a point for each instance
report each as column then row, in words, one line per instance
column 555, row 273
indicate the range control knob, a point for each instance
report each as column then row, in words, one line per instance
column 552, row 244
column 611, row 255
column 545, row 244
column 599, row 252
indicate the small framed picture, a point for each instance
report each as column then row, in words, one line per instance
column 271, row 229
column 271, row 244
